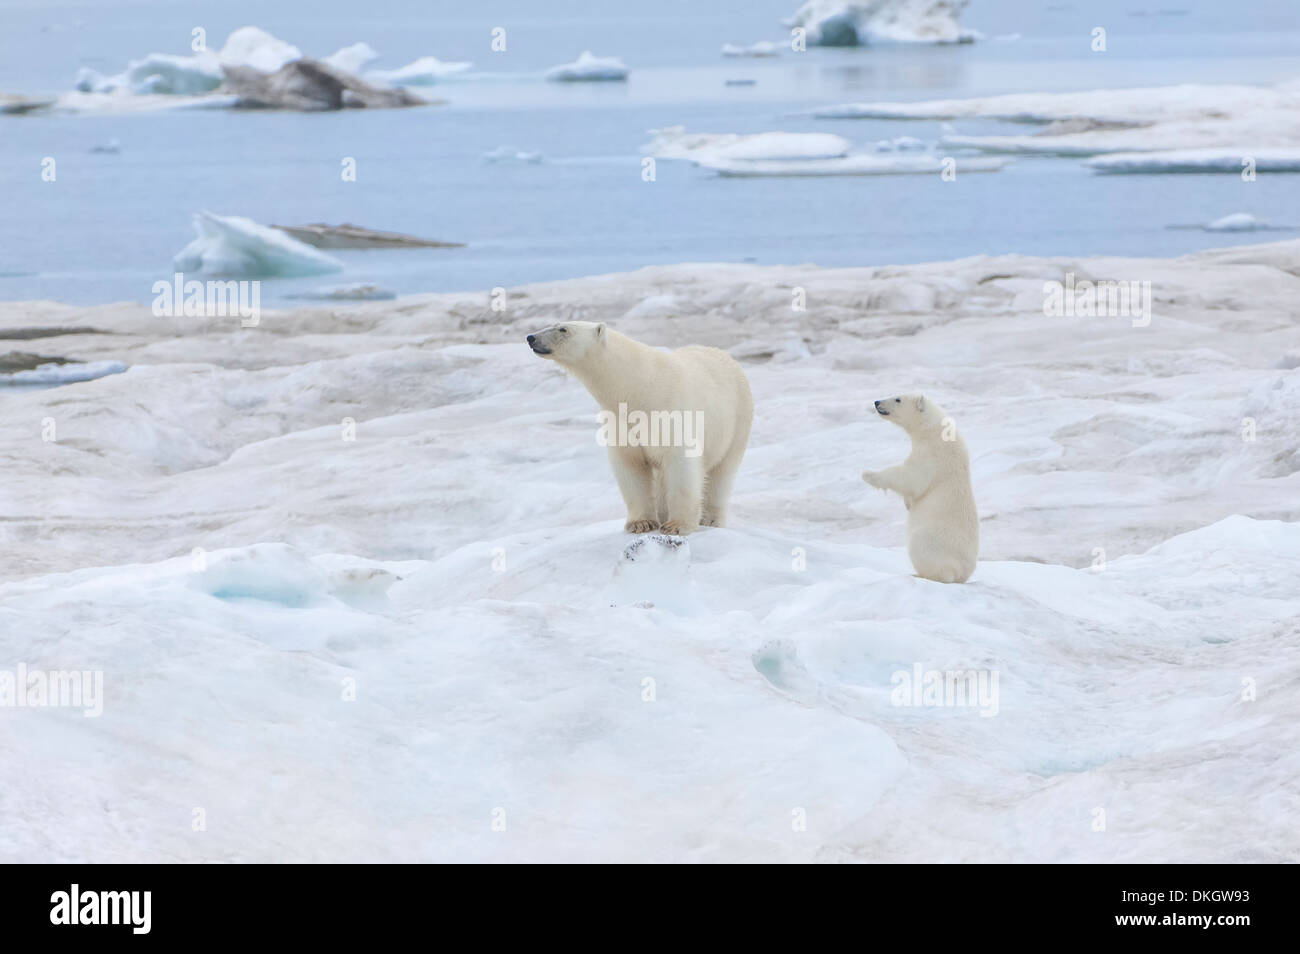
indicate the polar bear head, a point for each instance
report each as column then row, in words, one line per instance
column 570, row 342
column 914, row 413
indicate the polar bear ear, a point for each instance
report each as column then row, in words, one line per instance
column 920, row 403
column 600, row 332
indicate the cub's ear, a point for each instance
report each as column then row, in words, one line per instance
column 600, row 332
column 920, row 403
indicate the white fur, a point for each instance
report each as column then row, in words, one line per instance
column 943, row 527
column 664, row 488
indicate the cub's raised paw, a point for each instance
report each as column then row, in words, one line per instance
column 870, row 477
column 640, row 526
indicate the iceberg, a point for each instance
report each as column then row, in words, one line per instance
column 857, row 165
column 1231, row 161
column 231, row 245
column 425, row 71
column 837, row 23
column 674, row 142
column 589, row 68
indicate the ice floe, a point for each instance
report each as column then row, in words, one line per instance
column 855, row 165
column 1092, row 122
column 589, row 68
column 1227, row 160
column 674, row 142
column 760, row 50
column 231, row 245
column 425, row 71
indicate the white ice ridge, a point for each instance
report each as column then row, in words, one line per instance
column 856, row 165
column 231, row 245
column 1188, row 116
column 674, row 142
column 840, row 23
column 589, row 68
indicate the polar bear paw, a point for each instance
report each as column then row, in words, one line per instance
column 677, row 528
column 640, row 526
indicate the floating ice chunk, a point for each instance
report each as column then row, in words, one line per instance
column 1228, row 160
column 901, row 144
column 425, row 71
column 1237, row 222
column 351, row 59
column 763, row 48
column 512, row 154
column 253, row 46
column 238, row 246
column 589, row 68
column 850, row 166
column 673, row 142
column 837, row 23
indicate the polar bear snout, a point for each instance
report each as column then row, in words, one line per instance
column 537, row 346
column 881, row 409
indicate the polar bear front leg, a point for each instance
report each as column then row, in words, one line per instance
column 683, row 479
column 901, row 479
column 636, row 484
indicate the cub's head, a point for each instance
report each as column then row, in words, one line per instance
column 914, row 413
column 570, row 342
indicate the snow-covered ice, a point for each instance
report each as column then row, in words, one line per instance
column 232, row 245
column 589, row 68
column 357, row 582
column 864, row 22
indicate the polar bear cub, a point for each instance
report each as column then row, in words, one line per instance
column 678, row 421
column 943, row 529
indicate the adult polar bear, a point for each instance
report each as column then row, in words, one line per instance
column 674, row 486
